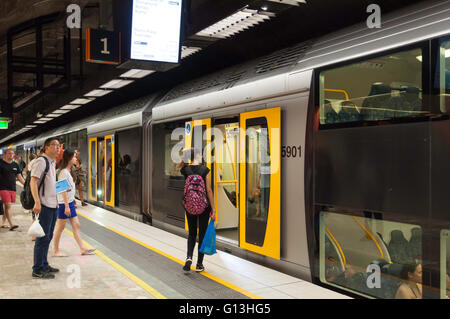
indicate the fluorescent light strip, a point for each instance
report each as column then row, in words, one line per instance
column 98, row 93
column 116, row 84
column 39, row 122
column 235, row 23
column 31, row 126
column 291, row 2
column 81, row 101
column 187, row 51
column 53, row 115
column 136, row 73
column 61, row 111
column 69, row 107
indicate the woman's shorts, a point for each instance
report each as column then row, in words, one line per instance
column 61, row 209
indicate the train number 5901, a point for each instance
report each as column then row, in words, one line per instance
column 291, row 151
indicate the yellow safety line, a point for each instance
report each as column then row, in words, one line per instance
column 371, row 236
column 204, row 273
column 138, row 281
column 337, row 244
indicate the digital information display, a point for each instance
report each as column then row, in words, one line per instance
column 155, row 30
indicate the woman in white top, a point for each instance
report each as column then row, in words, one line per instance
column 66, row 209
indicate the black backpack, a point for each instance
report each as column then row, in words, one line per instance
column 26, row 198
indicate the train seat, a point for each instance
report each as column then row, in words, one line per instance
column 415, row 243
column 399, row 247
column 377, row 102
column 349, row 113
column 330, row 114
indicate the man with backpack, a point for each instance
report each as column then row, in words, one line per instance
column 198, row 200
column 43, row 190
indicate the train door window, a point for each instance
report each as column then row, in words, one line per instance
column 445, row 264
column 381, row 88
column 171, row 164
column 371, row 257
column 93, row 168
column 109, row 170
column 101, row 170
column 260, row 179
column 444, row 75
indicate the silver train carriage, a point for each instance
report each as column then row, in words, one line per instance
column 329, row 159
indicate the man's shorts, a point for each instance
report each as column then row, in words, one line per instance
column 8, row 196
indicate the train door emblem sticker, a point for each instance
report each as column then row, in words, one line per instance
column 188, row 128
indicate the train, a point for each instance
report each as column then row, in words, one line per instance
column 329, row 158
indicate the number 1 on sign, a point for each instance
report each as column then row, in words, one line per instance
column 105, row 46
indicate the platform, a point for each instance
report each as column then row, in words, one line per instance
column 134, row 260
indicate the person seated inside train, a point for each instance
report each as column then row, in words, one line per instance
column 347, row 277
column 411, row 288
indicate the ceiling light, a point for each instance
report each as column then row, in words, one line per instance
column 98, row 93
column 187, row 51
column 235, row 23
column 70, row 107
column 291, row 2
column 46, row 119
column 81, row 101
column 61, row 111
column 31, row 126
column 136, row 73
column 53, row 115
column 39, row 122
column 116, row 84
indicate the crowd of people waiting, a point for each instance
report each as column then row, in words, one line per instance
column 51, row 164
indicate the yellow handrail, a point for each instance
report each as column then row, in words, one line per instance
column 337, row 245
column 371, row 236
column 338, row 91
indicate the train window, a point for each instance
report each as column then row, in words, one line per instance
column 371, row 257
column 128, row 169
column 109, row 169
column 381, row 88
column 171, row 166
column 257, row 180
column 93, row 168
column 444, row 76
column 445, row 264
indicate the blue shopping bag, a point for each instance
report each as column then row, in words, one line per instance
column 209, row 241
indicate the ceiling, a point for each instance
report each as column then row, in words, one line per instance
column 290, row 25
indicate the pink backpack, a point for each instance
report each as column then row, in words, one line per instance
column 195, row 200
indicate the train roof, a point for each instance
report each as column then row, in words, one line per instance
column 290, row 69
column 106, row 120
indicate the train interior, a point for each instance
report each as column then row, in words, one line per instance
column 392, row 89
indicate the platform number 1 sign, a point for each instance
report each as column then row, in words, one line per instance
column 103, row 46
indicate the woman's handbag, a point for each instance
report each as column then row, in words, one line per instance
column 209, row 241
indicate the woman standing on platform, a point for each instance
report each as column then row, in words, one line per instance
column 197, row 168
column 66, row 207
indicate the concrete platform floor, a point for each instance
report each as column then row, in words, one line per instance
column 80, row 277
